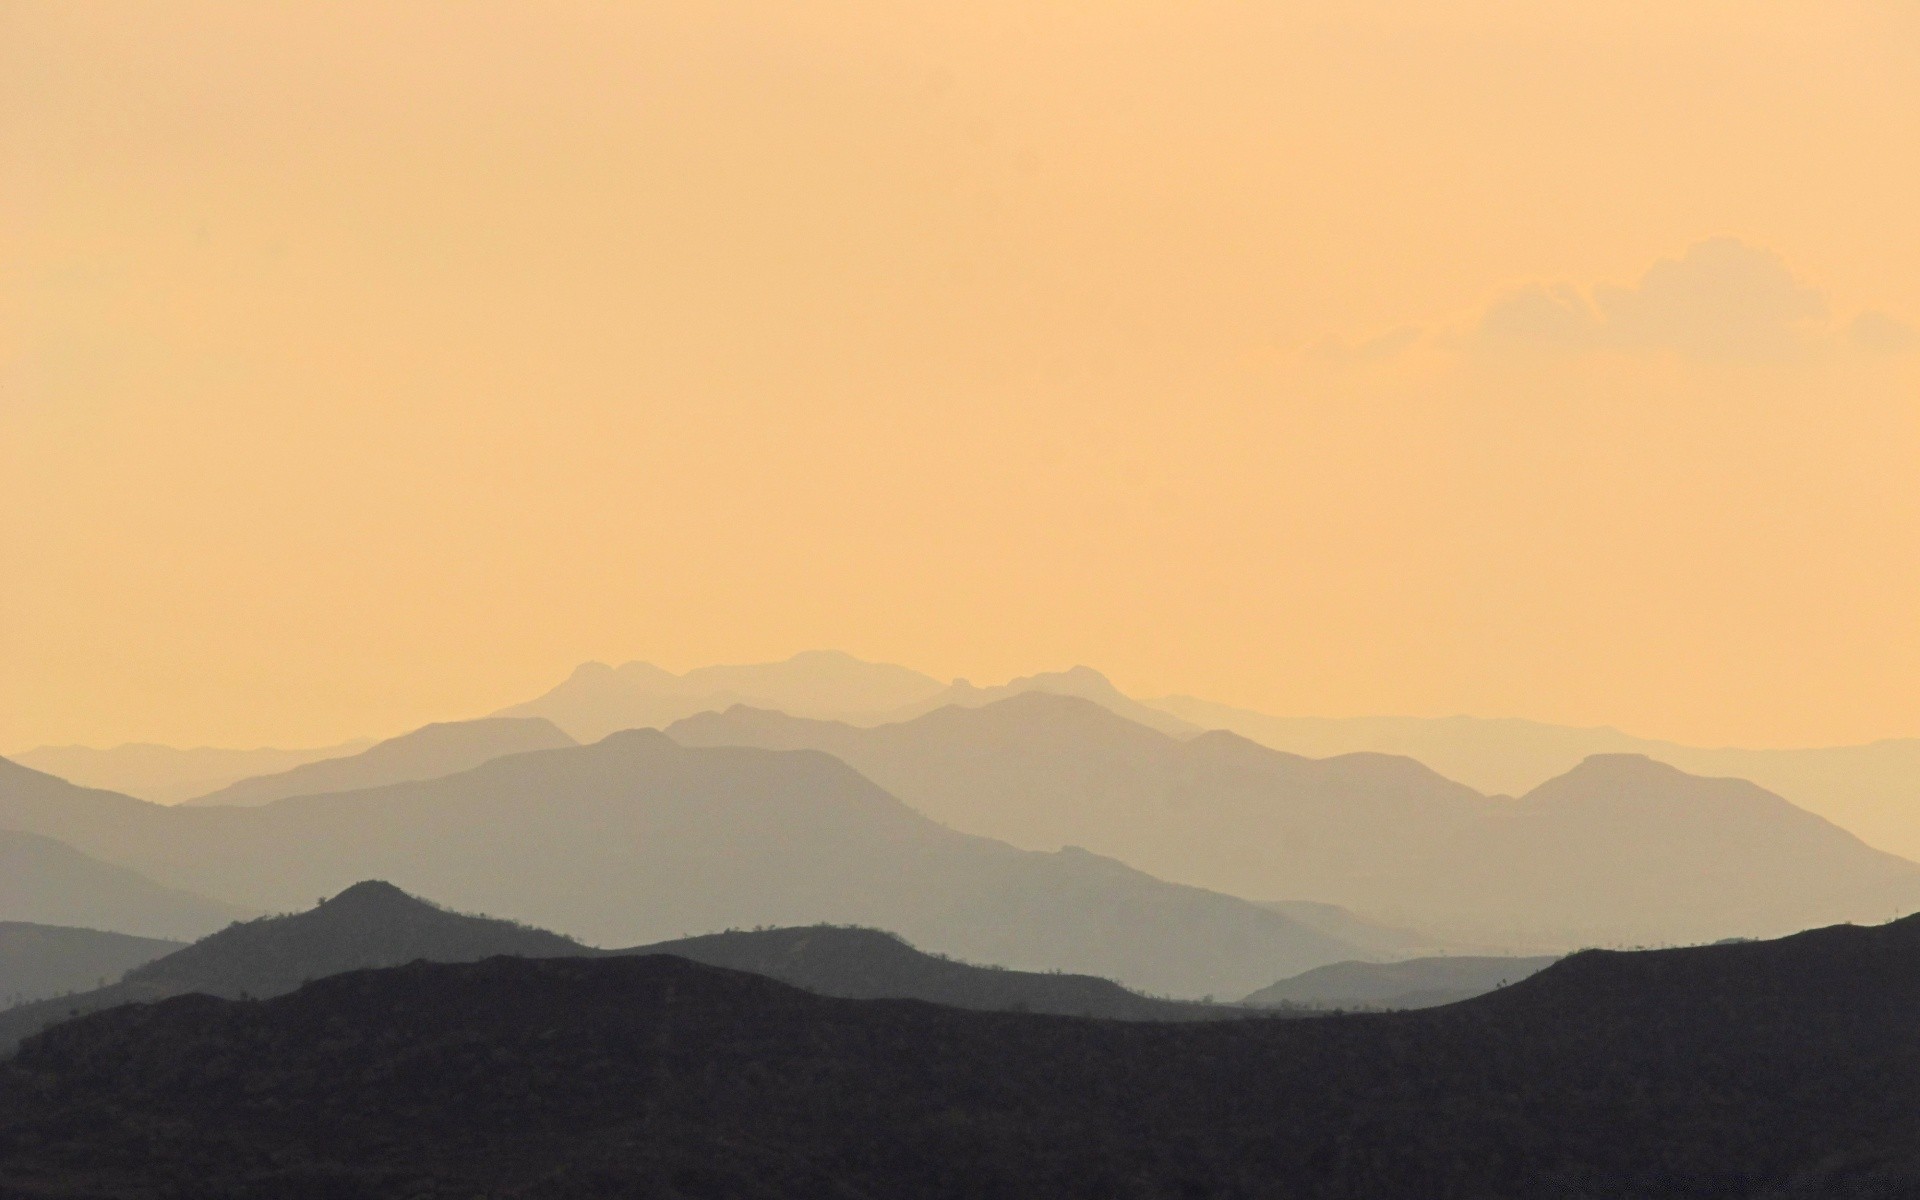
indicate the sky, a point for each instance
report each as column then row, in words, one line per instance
column 366, row 364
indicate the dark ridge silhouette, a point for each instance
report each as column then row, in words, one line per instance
column 47, row 882
column 869, row 964
column 1758, row 1069
column 427, row 753
column 636, row 839
column 597, row 699
column 1409, row 983
column 1619, row 850
column 37, row 961
column 167, row 774
column 371, row 924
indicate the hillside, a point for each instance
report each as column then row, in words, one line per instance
column 1726, row 1071
column 426, row 753
column 1409, row 983
column 38, row 961
column 1620, row 850
column 636, row 839
column 165, row 774
column 47, row 882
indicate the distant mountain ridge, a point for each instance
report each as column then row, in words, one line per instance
column 1621, row 850
column 597, row 699
column 427, row 753
column 636, row 838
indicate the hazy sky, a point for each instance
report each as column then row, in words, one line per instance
column 364, row 364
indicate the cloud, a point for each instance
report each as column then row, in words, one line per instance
column 1722, row 300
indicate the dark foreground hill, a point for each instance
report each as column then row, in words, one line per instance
column 37, row 961
column 1409, row 983
column 1751, row 1070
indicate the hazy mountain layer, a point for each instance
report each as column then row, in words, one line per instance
column 1084, row 682
column 1872, row 790
column 1619, row 850
column 167, row 775
column 426, row 753
column 47, row 882
column 598, row 699
column 1768, row 1069
column 1410, row 983
column 37, row 961
column 637, row 838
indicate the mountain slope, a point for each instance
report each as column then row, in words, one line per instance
column 37, row 961
column 598, row 699
column 1084, row 682
column 166, row 775
column 1409, row 983
column 427, row 753
column 1700, row 1074
column 636, row 838
column 1620, row 850
column 47, row 882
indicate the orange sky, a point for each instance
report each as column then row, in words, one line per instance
column 366, row 364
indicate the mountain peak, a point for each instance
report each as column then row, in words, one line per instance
column 374, row 896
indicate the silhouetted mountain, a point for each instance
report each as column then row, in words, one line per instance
column 1619, row 850
column 370, row 924
column 868, row 964
column 46, row 882
column 1084, row 682
column 1871, row 790
column 637, row 838
column 37, row 961
column 1410, row 983
column 166, row 775
column 427, row 753
column 1781, row 1068
column 598, row 699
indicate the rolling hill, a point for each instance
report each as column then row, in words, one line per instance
column 636, row 838
column 1757, row 1070
column 1620, row 850
column 426, row 753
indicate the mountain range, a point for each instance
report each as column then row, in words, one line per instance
column 166, row 774
column 1762, row 1070
column 1620, row 850
column 637, row 838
